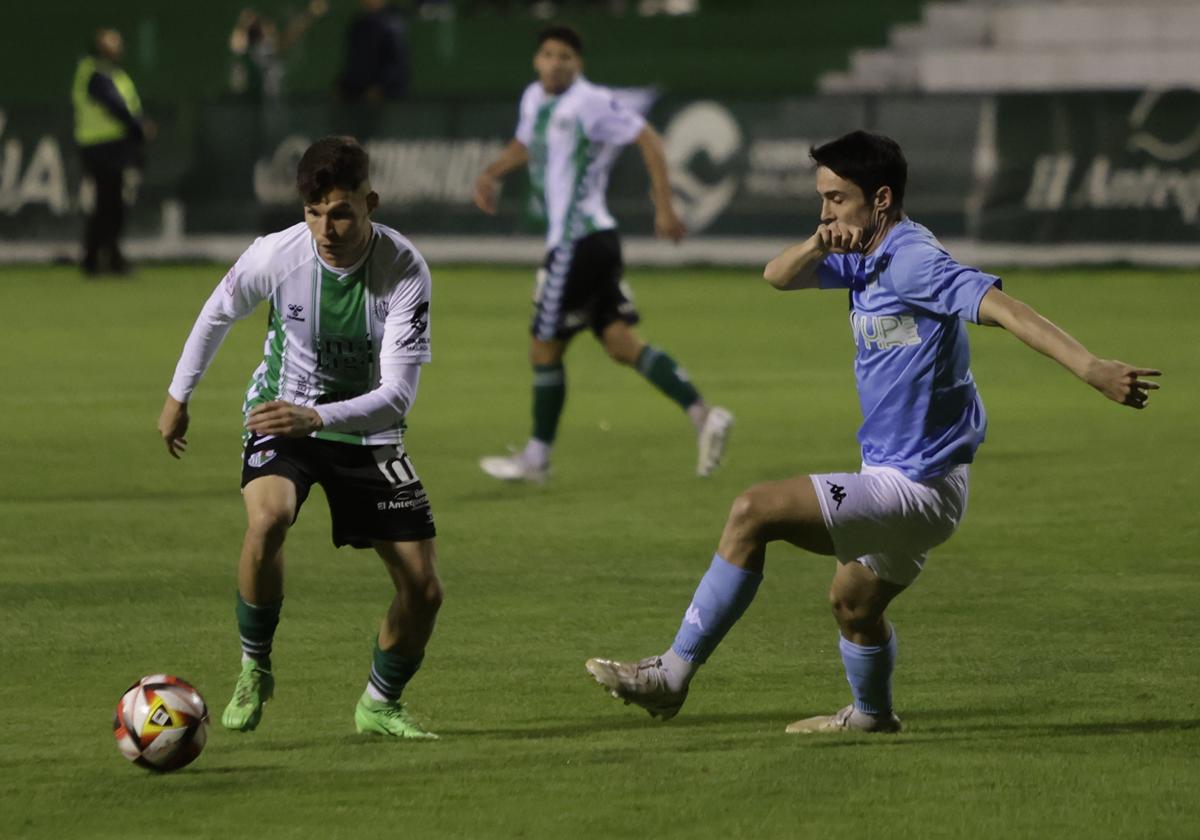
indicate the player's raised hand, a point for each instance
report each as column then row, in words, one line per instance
column 172, row 425
column 668, row 225
column 485, row 193
column 838, row 238
column 283, row 418
column 1122, row 383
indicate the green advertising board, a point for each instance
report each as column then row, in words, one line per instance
column 1099, row 167
column 1029, row 168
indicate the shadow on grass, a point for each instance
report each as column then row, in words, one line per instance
column 737, row 727
column 736, row 723
column 997, row 729
column 217, row 772
column 634, row 721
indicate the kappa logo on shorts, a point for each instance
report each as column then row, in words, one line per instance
column 838, row 492
column 260, row 458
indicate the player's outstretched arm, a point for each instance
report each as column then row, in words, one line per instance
column 1118, row 381
column 796, row 267
column 173, row 424
column 667, row 224
column 487, row 185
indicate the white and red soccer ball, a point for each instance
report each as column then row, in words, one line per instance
column 161, row 723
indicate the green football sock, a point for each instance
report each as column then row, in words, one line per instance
column 390, row 673
column 667, row 376
column 256, row 626
column 549, row 395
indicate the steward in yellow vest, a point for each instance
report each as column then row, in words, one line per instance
column 109, row 131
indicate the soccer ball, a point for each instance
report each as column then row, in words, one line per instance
column 161, row 723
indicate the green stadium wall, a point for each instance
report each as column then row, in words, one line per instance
column 179, row 51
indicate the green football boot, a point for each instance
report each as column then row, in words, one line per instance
column 255, row 686
column 382, row 718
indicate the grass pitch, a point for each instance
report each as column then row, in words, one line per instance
column 1047, row 673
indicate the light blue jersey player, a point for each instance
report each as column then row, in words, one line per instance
column 923, row 420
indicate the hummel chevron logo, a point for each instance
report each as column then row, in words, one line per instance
column 838, row 492
column 692, row 616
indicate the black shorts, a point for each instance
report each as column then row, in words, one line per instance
column 580, row 286
column 373, row 491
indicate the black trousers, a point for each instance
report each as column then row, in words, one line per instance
column 105, row 163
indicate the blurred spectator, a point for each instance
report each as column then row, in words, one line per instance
column 258, row 51
column 377, row 61
column 110, row 132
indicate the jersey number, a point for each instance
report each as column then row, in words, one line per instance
column 396, row 467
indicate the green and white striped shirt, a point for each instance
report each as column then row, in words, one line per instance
column 347, row 341
column 573, row 140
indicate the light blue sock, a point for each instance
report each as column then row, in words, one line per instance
column 869, row 672
column 723, row 595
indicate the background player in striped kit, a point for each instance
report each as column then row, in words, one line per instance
column 348, row 331
column 570, row 133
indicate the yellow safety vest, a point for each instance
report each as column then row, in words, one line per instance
column 93, row 122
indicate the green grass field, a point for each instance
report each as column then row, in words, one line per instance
column 1048, row 674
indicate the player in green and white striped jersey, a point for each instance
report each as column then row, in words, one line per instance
column 570, row 133
column 347, row 333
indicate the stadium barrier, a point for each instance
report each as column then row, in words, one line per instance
column 1111, row 177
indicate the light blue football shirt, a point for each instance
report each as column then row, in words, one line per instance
column 908, row 300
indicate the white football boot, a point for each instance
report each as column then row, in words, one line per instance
column 514, row 467
column 848, row 719
column 714, row 436
column 642, row 683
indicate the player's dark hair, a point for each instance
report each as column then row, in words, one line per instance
column 868, row 160
column 331, row 163
column 564, row 33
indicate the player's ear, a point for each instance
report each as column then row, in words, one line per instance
column 372, row 202
column 883, row 198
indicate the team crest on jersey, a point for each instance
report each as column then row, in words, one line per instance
column 295, row 312
column 881, row 265
column 260, row 458
column 863, row 279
